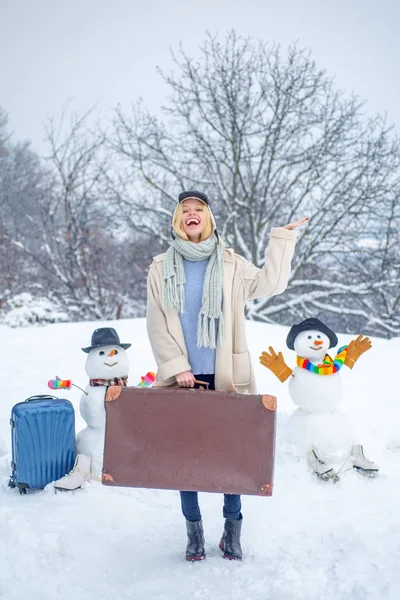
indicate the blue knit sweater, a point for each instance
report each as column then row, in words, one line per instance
column 201, row 360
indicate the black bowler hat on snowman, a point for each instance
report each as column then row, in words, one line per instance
column 310, row 325
column 105, row 336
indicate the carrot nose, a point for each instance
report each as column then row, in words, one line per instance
column 112, row 353
column 318, row 342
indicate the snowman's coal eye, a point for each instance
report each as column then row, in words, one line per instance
column 319, row 337
column 101, row 352
column 309, row 337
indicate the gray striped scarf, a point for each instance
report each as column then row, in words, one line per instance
column 174, row 285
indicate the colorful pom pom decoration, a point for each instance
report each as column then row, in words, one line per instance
column 59, row 384
column 148, row 379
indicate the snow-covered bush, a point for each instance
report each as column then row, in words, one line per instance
column 24, row 309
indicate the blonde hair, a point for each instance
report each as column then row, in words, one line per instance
column 208, row 227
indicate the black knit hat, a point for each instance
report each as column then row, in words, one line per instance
column 194, row 194
column 307, row 325
column 105, row 336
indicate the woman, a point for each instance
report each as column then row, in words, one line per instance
column 197, row 293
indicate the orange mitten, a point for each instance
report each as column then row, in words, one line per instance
column 275, row 363
column 355, row 349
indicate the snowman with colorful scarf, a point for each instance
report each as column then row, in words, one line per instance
column 317, row 428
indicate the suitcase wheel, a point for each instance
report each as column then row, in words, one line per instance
column 22, row 488
column 11, row 483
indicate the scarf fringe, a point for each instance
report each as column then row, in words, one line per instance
column 207, row 331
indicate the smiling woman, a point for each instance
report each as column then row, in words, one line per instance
column 197, row 293
column 192, row 221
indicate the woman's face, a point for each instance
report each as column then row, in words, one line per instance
column 192, row 222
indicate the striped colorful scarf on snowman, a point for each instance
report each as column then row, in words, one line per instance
column 328, row 367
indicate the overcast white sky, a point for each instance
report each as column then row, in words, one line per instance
column 99, row 52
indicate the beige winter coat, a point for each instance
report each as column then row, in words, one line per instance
column 242, row 281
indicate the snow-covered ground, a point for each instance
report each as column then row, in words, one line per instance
column 310, row 541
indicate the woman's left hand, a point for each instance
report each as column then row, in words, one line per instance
column 292, row 226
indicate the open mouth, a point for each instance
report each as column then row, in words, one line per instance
column 192, row 222
column 112, row 365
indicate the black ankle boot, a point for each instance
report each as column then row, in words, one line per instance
column 195, row 546
column 230, row 541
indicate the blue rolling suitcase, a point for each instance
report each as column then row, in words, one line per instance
column 43, row 441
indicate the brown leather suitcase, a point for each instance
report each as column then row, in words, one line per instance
column 192, row 440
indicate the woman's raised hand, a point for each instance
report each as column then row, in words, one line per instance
column 292, row 226
column 185, row 379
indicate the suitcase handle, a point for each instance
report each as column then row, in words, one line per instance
column 41, row 397
column 199, row 382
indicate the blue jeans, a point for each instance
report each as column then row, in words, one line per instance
column 191, row 509
column 190, row 501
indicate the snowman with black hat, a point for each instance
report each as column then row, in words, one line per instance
column 107, row 364
column 317, row 428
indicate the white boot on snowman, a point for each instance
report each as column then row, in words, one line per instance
column 77, row 476
column 320, row 467
column 361, row 463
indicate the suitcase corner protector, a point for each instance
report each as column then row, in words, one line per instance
column 265, row 490
column 113, row 393
column 269, row 402
column 107, row 479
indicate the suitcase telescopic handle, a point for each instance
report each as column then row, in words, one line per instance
column 41, row 397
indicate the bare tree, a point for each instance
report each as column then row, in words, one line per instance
column 60, row 238
column 72, row 215
column 379, row 267
column 266, row 134
column 21, row 177
column 59, row 223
